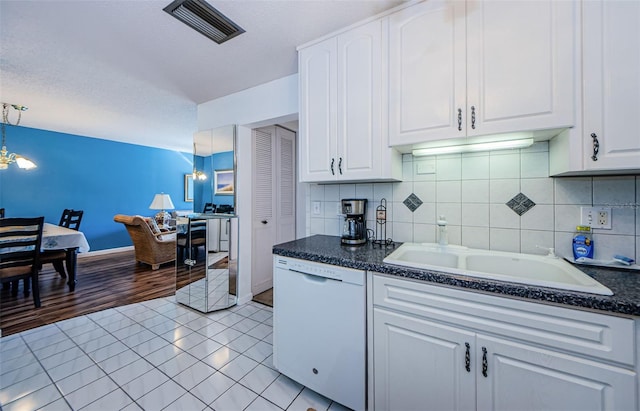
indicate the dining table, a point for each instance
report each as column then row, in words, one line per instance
column 55, row 237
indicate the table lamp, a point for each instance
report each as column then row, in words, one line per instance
column 162, row 202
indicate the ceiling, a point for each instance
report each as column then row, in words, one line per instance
column 127, row 71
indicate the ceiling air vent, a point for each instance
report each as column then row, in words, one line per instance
column 201, row 16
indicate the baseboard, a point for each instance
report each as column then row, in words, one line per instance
column 245, row 299
column 103, row 252
column 262, row 287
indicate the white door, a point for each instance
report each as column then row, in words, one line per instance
column 522, row 377
column 611, row 70
column 285, row 185
column 422, row 365
column 263, row 226
column 427, row 78
column 274, row 201
column 317, row 118
column 520, row 65
column 359, row 102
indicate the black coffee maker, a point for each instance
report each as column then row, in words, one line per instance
column 354, row 231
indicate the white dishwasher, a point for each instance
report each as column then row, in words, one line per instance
column 319, row 328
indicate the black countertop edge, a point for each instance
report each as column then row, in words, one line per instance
column 327, row 249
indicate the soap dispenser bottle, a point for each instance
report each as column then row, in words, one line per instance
column 442, row 231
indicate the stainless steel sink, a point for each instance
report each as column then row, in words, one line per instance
column 497, row 265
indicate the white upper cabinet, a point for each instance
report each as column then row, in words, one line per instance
column 461, row 69
column 427, row 72
column 611, row 70
column 341, row 121
column 318, row 128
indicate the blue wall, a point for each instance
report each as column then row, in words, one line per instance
column 204, row 189
column 101, row 177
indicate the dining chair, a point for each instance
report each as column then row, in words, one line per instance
column 20, row 241
column 69, row 219
column 209, row 208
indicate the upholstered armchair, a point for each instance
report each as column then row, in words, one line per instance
column 152, row 246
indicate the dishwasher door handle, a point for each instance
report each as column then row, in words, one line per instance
column 315, row 278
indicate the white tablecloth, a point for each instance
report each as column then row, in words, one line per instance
column 55, row 238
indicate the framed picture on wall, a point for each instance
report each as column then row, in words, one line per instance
column 223, row 182
column 188, row 188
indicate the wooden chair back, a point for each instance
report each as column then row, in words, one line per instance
column 20, row 242
column 71, row 219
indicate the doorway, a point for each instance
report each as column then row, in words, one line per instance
column 274, row 202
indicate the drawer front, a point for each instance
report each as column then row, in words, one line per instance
column 585, row 333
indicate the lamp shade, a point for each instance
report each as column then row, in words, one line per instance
column 161, row 202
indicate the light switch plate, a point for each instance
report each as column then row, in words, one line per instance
column 316, row 208
column 423, row 167
column 596, row 217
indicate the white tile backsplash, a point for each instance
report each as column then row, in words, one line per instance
column 471, row 191
column 501, row 190
column 504, row 165
column 425, row 190
column 475, row 167
column 611, row 191
column 573, row 190
column 540, row 190
column 475, row 191
column 539, row 217
column 448, row 192
column 475, row 215
column 534, row 165
column 347, row 191
column 448, row 167
column 504, row 239
column 475, row 237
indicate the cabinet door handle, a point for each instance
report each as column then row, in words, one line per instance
column 459, row 119
column 485, row 363
column 467, row 357
column 473, row 117
column 264, row 221
column 333, row 160
column 596, row 146
column 340, row 166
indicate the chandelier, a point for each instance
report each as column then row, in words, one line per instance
column 5, row 157
column 199, row 175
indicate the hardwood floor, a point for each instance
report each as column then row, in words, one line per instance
column 104, row 281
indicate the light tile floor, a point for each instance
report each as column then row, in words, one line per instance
column 154, row 355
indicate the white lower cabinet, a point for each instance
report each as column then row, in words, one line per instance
column 420, row 364
column 438, row 348
column 514, row 376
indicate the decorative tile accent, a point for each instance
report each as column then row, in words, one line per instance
column 520, row 204
column 412, row 202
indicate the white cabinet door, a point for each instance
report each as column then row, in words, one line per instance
column 427, row 78
column 342, row 128
column 421, row 365
column 611, row 69
column 520, row 65
column 285, row 177
column 318, row 127
column 525, row 377
column 463, row 69
column 359, row 102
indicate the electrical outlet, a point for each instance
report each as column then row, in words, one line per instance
column 596, row 217
column 316, row 208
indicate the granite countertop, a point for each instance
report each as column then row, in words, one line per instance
column 625, row 284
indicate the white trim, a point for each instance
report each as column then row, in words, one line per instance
column 103, row 252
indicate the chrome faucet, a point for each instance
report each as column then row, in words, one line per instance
column 442, row 231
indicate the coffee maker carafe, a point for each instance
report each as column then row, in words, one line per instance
column 354, row 231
